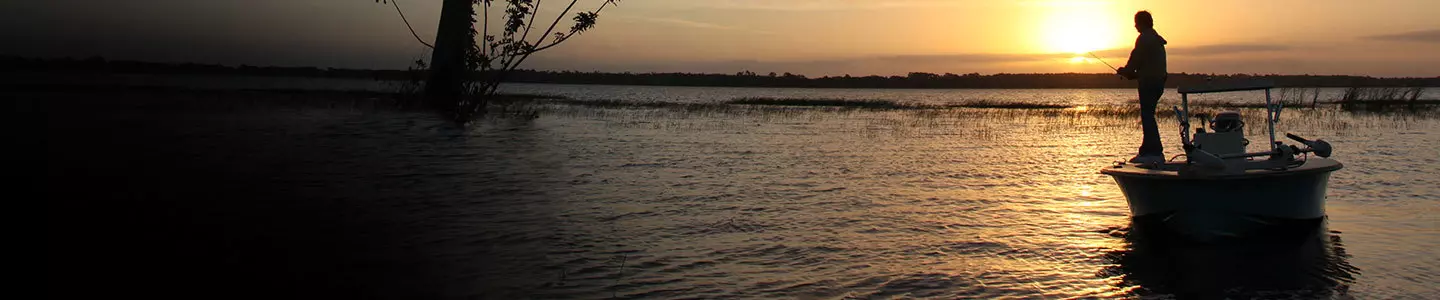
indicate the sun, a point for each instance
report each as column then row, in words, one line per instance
column 1078, row 27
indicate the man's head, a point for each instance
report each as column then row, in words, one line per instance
column 1143, row 21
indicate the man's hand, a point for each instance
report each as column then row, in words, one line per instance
column 1127, row 72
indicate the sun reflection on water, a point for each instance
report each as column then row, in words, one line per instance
column 961, row 203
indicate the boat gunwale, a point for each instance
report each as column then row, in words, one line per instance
column 1130, row 170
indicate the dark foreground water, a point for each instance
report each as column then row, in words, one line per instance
column 165, row 200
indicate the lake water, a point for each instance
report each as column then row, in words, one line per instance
column 692, row 94
column 586, row 203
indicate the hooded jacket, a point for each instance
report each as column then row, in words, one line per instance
column 1148, row 57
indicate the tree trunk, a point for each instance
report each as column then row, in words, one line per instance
column 447, row 61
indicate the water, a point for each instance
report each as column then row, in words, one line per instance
column 1075, row 97
column 588, row 203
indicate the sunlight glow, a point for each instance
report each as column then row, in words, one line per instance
column 1079, row 27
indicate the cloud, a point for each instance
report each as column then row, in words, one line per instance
column 887, row 64
column 957, row 58
column 1223, row 49
column 1422, row 36
column 1206, row 50
column 859, row 65
column 1218, row 58
column 820, row 5
column 695, row 24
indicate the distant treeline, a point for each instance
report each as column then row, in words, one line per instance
column 948, row 80
column 740, row 79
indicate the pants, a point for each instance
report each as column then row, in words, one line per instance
column 1150, row 91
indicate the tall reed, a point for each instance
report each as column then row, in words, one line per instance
column 1382, row 94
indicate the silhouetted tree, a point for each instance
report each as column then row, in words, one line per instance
column 469, row 63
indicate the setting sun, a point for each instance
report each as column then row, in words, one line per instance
column 1078, row 27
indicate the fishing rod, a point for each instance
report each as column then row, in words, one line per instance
column 1092, row 54
column 1117, row 71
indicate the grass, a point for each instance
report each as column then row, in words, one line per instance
column 1005, row 105
column 888, row 104
column 1295, row 96
column 610, row 103
column 870, row 104
column 977, row 119
column 535, row 105
column 1287, row 104
column 970, row 109
column 1388, row 100
column 1383, row 94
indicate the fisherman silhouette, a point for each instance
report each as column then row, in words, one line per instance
column 1147, row 65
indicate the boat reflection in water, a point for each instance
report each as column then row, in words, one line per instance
column 1305, row 261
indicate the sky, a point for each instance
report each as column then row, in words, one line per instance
column 811, row 37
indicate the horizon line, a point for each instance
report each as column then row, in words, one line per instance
column 778, row 74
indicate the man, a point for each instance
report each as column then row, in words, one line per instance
column 1147, row 64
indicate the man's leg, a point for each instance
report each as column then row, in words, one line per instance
column 1150, row 91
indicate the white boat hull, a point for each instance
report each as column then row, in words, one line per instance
column 1211, row 207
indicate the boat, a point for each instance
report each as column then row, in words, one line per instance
column 1221, row 192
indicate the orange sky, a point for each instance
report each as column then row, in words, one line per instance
column 1374, row 37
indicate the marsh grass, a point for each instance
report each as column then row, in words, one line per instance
column 1005, row 105
column 1325, row 115
column 1388, row 100
column 790, row 108
column 1287, row 104
column 850, row 103
column 1383, row 94
column 887, row 104
column 1296, row 96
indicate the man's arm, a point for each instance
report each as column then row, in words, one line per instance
column 1134, row 63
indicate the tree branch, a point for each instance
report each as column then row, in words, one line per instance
column 407, row 24
column 558, row 40
column 534, row 10
column 557, row 21
column 525, row 45
column 509, row 66
column 485, row 26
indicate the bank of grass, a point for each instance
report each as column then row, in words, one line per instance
column 1005, row 105
column 535, row 105
column 526, row 104
column 823, row 102
column 1382, row 94
column 887, row 104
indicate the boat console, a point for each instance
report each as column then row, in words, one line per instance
column 1222, row 150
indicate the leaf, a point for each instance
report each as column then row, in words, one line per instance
column 584, row 21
